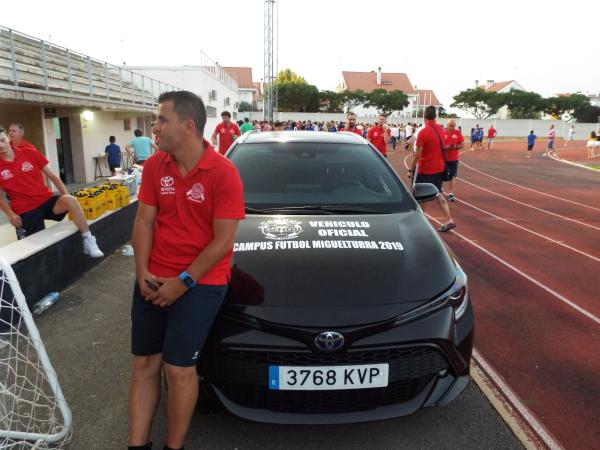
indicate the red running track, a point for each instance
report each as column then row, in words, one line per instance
column 535, row 285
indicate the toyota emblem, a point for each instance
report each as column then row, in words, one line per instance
column 329, row 341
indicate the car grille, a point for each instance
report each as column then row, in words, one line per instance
column 242, row 377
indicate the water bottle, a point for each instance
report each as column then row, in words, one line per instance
column 45, row 303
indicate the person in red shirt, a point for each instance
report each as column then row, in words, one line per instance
column 429, row 162
column 22, row 170
column 227, row 131
column 491, row 135
column 454, row 142
column 379, row 135
column 350, row 124
column 190, row 203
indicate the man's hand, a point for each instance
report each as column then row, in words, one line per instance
column 144, row 288
column 15, row 220
column 384, row 126
column 170, row 290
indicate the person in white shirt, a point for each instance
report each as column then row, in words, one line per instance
column 570, row 135
column 395, row 134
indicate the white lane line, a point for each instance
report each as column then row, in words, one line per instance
column 543, row 236
column 462, row 163
column 541, row 431
column 531, row 206
column 566, row 161
column 541, row 285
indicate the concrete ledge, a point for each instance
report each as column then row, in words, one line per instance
column 53, row 259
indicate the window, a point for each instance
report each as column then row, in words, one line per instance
column 126, row 124
column 227, row 101
column 299, row 173
column 211, row 111
column 212, row 95
column 140, row 123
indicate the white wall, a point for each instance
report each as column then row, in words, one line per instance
column 196, row 80
column 50, row 145
column 245, row 95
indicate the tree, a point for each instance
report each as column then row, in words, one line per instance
column 386, row 102
column 297, row 97
column 289, row 76
column 522, row 104
column 445, row 114
column 245, row 106
column 592, row 115
column 574, row 106
column 352, row 99
column 557, row 106
column 482, row 104
column 330, row 101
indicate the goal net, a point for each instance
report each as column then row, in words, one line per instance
column 33, row 410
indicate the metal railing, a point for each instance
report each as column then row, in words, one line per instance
column 31, row 64
column 213, row 68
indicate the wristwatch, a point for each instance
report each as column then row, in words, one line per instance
column 187, row 279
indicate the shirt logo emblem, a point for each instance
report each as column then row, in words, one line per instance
column 26, row 167
column 6, row 174
column 196, row 193
column 167, row 181
column 281, row 229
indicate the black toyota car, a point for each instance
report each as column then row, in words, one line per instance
column 344, row 304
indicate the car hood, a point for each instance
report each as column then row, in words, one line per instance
column 336, row 269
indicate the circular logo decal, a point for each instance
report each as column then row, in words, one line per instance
column 281, row 229
column 167, row 181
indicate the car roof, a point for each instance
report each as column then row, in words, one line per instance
column 343, row 137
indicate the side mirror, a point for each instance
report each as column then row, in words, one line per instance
column 424, row 192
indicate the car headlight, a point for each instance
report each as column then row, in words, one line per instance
column 457, row 297
column 459, row 294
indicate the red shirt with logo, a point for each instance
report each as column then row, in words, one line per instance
column 353, row 130
column 375, row 136
column 187, row 206
column 431, row 160
column 492, row 133
column 225, row 134
column 22, row 178
column 453, row 137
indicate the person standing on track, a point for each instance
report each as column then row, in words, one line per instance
column 379, row 135
column 551, row 136
column 430, row 145
column 454, row 142
column 491, row 134
column 570, row 135
column 530, row 143
column 350, row 124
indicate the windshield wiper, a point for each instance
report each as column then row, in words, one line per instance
column 328, row 209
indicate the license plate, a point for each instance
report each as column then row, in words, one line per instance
column 324, row 378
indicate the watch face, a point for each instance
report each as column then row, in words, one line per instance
column 188, row 281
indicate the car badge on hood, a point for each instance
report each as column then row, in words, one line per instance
column 329, row 341
column 280, row 229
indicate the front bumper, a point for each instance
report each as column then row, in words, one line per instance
column 431, row 369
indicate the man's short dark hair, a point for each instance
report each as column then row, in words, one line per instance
column 187, row 106
column 246, row 119
column 351, row 114
column 112, row 139
column 226, row 113
column 138, row 132
column 430, row 113
column 2, row 130
column 278, row 124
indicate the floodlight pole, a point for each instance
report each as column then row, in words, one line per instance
column 270, row 58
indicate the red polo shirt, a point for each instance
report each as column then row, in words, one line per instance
column 431, row 160
column 375, row 136
column 187, row 206
column 453, row 137
column 492, row 133
column 22, row 178
column 226, row 133
column 353, row 130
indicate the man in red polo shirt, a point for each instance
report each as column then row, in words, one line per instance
column 350, row 124
column 491, row 135
column 430, row 145
column 379, row 135
column 227, row 131
column 454, row 142
column 22, row 170
column 190, row 203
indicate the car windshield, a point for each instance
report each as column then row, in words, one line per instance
column 301, row 175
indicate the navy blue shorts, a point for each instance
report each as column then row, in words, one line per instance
column 178, row 331
column 437, row 179
column 33, row 220
column 453, row 167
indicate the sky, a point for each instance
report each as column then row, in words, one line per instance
column 547, row 47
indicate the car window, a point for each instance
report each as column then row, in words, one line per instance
column 303, row 173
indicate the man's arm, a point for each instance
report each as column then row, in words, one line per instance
column 13, row 218
column 386, row 135
column 55, row 180
column 224, row 237
column 414, row 161
column 128, row 148
column 213, row 138
column 142, row 239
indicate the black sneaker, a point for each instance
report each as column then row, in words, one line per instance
column 450, row 197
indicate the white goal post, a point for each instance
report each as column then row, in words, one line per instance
column 33, row 410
